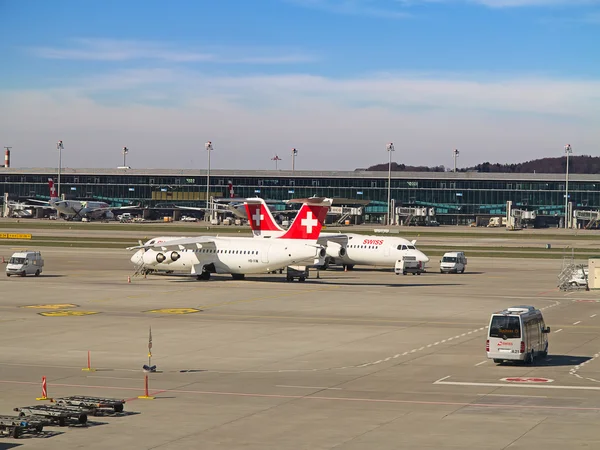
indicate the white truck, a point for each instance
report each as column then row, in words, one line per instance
column 25, row 263
column 408, row 264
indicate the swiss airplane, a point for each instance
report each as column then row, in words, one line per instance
column 239, row 256
column 77, row 208
column 347, row 249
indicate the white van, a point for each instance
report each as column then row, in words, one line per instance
column 580, row 277
column 453, row 262
column 25, row 263
column 517, row 334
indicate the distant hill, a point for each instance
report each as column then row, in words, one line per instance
column 577, row 164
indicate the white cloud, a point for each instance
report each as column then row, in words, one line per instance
column 335, row 124
column 384, row 9
column 400, row 9
column 539, row 3
column 124, row 50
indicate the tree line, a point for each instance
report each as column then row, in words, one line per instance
column 577, row 164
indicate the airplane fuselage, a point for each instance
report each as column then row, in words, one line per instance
column 229, row 255
column 92, row 210
column 376, row 250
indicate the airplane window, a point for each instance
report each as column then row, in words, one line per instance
column 404, row 247
column 412, row 247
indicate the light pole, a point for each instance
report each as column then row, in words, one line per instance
column 125, row 151
column 294, row 153
column 275, row 158
column 59, row 147
column 390, row 149
column 568, row 150
column 456, row 152
column 209, row 148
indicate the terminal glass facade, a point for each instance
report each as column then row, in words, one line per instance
column 455, row 195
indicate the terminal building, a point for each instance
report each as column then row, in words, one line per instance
column 431, row 197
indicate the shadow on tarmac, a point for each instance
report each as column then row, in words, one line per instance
column 552, row 361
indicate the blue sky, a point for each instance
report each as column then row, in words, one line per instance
column 502, row 80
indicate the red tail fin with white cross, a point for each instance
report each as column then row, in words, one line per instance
column 310, row 219
column 52, row 189
column 260, row 218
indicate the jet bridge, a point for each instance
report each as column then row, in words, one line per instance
column 415, row 215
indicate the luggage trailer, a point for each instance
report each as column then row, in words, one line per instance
column 59, row 414
column 16, row 426
column 97, row 404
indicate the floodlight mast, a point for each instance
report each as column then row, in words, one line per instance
column 209, row 147
column 390, row 148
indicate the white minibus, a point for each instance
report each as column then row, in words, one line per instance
column 517, row 334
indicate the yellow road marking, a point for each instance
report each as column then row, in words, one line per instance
column 14, row 236
column 66, row 313
column 52, row 306
column 174, row 311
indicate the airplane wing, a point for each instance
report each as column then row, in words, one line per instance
column 191, row 208
column 180, row 244
column 26, row 206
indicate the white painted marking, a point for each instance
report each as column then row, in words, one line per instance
column 413, row 350
column 442, row 379
column 437, row 343
column 429, row 345
column 307, row 387
column 575, row 323
column 512, row 395
column 405, row 353
column 482, row 362
column 112, row 378
column 559, row 330
column 519, row 385
column 593, row 315
column 420, row 349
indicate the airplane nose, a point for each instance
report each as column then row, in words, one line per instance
column 137, row 257
column 424, row 257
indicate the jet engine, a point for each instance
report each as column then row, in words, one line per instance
column 322, row 253
column 151, row 258
column 175, row 256
column 335, row 250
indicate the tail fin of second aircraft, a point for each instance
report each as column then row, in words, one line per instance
column 260, row 218
column 52, row 189
column 310, row 219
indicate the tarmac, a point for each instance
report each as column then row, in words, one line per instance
column 363, row 359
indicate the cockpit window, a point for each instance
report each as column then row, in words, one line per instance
column 411, row 247
column 402, row 247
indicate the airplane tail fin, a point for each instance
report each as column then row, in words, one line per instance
column 310, row 219
column 260, row 218
column 52, row 189
column 230, row 189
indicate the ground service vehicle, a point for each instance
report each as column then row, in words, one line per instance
column 25, row 263
column 517, row 334
column 408, row 264
column 453, row 262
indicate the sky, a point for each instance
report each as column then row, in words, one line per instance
column 499, row 80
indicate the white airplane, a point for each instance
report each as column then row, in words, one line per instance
column 78, row 209
column 238, row 256
column 347, row 249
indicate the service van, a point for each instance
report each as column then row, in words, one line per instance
column 453, row 262
column 25, row 263
column 517, row 334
